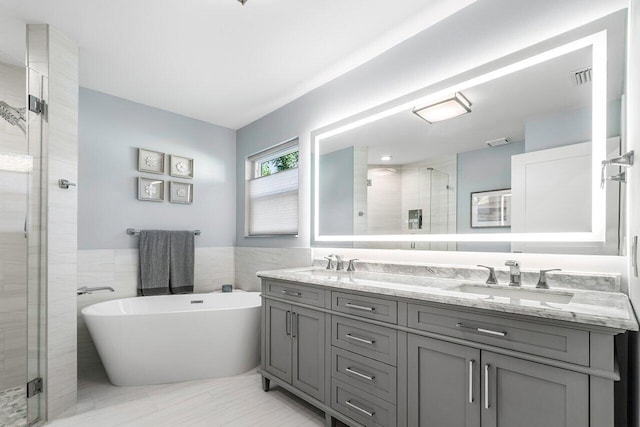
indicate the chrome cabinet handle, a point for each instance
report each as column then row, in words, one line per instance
column 634, row 256
column 482, row 330
column 486, row 385
column 294, row 324
column 471, row 362
column 357, row 408
column 360, row 307
column 360, row 374
column 287, row 323
column 291, row 293
column 364, row 340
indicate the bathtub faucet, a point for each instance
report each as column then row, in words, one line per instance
column 85, row 290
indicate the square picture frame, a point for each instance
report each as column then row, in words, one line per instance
column 491, row 209
column 180, row 166
column 150, row 190
column 151, row 161
column 180, row 192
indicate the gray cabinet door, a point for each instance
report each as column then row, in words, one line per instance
column 527, row 394
column 278, row 339
column 308, row 334
column 443, row 384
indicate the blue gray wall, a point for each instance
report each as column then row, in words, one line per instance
column 110, row 131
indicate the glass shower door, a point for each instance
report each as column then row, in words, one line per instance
column 15, row 170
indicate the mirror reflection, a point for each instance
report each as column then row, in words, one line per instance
column 509, row 155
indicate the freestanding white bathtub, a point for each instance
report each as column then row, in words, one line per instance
column 172, row 338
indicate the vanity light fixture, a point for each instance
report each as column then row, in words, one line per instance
column 386, row 158
column 449, row 108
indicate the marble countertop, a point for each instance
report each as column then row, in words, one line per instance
column 605, row 309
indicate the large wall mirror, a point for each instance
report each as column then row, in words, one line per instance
column 506, row 157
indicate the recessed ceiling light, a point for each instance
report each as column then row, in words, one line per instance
column 449, row 108
column 386, row 158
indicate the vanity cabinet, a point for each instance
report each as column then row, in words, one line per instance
column 459, row 386
column 295, row 346
column 375, row 360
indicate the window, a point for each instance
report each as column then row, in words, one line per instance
column 272, row 191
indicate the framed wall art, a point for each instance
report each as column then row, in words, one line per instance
column 181, row 167
column 150, row 190
column 150, row 161
column 180, row 192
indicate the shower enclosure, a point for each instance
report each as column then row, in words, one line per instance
column 20, row 248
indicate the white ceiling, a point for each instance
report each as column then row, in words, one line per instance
column 216, row 60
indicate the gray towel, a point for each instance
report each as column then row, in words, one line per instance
column 181, row 261
column 154, row 262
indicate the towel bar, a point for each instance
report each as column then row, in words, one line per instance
column 134, row 232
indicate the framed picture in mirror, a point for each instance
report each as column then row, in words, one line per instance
column 180, row 192
column 491, row 208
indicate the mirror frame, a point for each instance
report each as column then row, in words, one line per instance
column 482, row 74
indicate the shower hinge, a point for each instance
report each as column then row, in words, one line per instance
column 34, row 387
column 37, row 105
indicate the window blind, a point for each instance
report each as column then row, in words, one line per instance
column 273, row 204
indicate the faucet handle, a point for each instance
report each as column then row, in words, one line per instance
column 542, row 281
column 330, row 263
column 491, row 280
column 351, row 266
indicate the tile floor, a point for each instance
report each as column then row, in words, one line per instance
column 236, row 401
column 13, row 407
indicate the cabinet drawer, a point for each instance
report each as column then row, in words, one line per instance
column 555, row 342
column 295, row 293
column 360, row 406
column 374, row 377
column 369, row 307
column 376, row 342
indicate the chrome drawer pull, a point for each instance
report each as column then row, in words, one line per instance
column 360, row 374
column 486, row 386
column 360, row 307
column 482, row 330
column 357, row 408
column 291, row 293
column 364, row 340
column 471, row 362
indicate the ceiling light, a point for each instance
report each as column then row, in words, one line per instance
column 386, row 158
column 446, row 109
column 242, row 1
column 498, row 142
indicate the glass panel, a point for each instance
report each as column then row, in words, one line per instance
column 15, row 170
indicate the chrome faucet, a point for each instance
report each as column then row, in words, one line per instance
column 514, row 272
column 85, row 290
column 339, row 262
column 491, row 280
column 542, row 281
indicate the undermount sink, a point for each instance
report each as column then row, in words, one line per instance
column 516, row 293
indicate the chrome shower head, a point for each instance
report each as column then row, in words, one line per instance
column 15, row 116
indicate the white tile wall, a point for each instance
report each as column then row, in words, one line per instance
column 119, row 268
column 248, row 261
column 62, row 220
